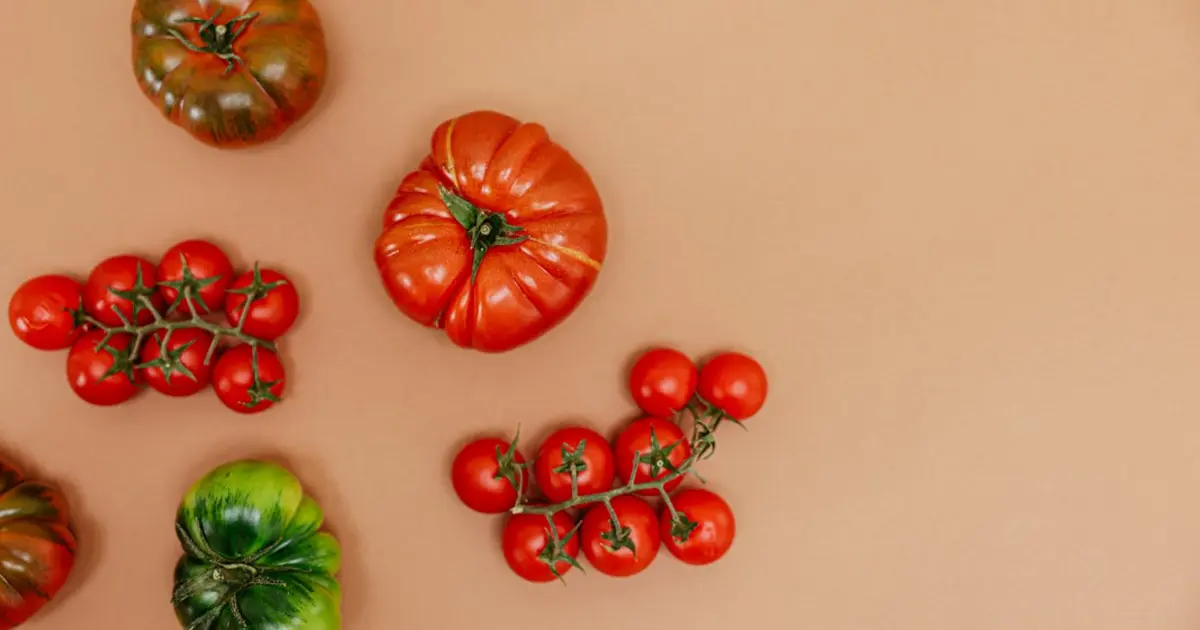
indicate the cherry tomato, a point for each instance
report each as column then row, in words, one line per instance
column 121, row 282
column 712, row 534
column 662, row 381
column 233, row 379
column 180, row 371
column 593, row 463
column 45, row 312
column 102, row 377
column 735, row 384
column 640, row 437
column 482, row 481
column 629, row 552
column 271, row 315
column 525, row 539
column 199, row 266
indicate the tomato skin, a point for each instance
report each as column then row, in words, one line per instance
column 474, row 476
column 714, row 533
column 277, row 78
column 120, row 273
column 270, row 316
column 207, row 264
column 192, row 358
column 87, row 366
column 642, row 522
column 597, row 458
column 233, row 378
column 504, row 167
column 42, row 311
column 527, row 535
column 734, row 383
column 38, row 544
column 635, row 438
column 662, row 381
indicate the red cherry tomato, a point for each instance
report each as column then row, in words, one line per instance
column 233, row 379
column 630, row 551
column 199, row 266
column 662, row 381
column 594, row 463
column 180, row 371
column 45, row 312
column 121, row 282
column 735, row 384
column 270, row 316
column 640, row 438
column 102, row 377
column 482, row 481
column 525, row 539
column 714, row 528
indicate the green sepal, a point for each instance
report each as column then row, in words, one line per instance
column 682, row 528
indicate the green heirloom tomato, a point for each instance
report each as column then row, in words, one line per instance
column 254, row 558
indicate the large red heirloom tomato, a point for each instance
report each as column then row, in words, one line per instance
column 233, row 73
column 496, row 238
column 37, row 546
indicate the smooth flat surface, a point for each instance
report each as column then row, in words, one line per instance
column 960, row 235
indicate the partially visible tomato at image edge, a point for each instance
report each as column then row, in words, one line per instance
column 474, row 475
column 88, row 369
column 734, row 383
column 662, row 381
column 43, row 311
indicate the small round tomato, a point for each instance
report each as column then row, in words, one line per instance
column 273, row 313
column 102, row 376
column 196, row 268
column 582, row 448
column 46, row 312
column 629, row 551
column 662, row 381
column 735, row 384
column 180, row 371
column 121, row 282
column 659, row 446
column 704, row 531
column 528, row 547
column 234, row 380
column 484, row 473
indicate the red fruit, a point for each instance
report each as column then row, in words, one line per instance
column 734, row 383
column 594, row 463
column 525, row 539
column 102, row 377
column 123, row 283
column 483, row 475
column 662, row 382
column 272, row 314
column 199, row 267
column 629, row 551
column 180, row 371
column 45, row 312
column 644, row 437
column 705, row 531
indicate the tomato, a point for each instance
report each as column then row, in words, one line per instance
column 181, row 371
column 232, row 74
column 592, row 457
column 483, row 474
column 496, row 238
column 271, row 315
column 199, row 266
column 46, row 312
column 659, row 446
column 662, row 381
column 631, row 550
column 233, row 379
column 735, row 384
column 526, row 539
column 121, row 282
column 102, row 377
column 706, row 534
column 37, row 545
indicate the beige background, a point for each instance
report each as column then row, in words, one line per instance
column 961, row 236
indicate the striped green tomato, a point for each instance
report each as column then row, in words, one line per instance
column 254, row 556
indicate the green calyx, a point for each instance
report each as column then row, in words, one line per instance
column 188, row 284
column 217, row 39
column 484, row 229
column 556, row 549
column 659, row 457
column 682, row 527
column 170, row 361
column 260, row 391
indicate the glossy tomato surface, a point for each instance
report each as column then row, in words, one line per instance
column 526, row 537
column 102, row 376
column 44, row 311
column 198, row 269
column 37, row 545
column 178, row 369
column 658, row 445
column 533, row 213
column 233, row 379
column 629, row 551
column 713, row 534
column 271, row 315
column 734, row 383
column 662, row 381
column 478, row 479
column 233, row 73
column 122, row 283
column 594, row 470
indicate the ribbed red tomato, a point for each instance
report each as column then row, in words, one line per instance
column 37, row 545
column 496, row 238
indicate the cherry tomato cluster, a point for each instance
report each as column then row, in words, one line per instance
column 178, row 327
column 585, row 494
